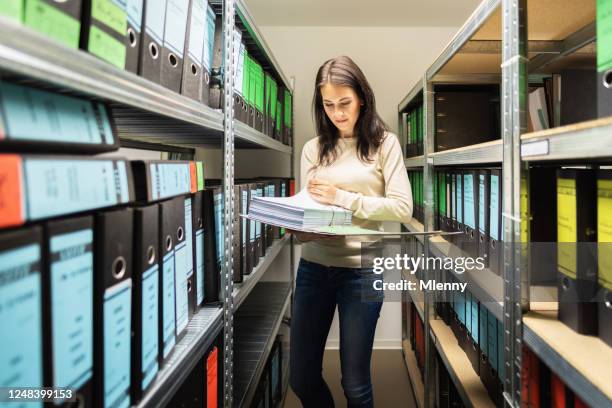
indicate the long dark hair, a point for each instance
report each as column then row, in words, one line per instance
column 369, row 128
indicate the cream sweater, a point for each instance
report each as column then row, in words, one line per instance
column 375, row 192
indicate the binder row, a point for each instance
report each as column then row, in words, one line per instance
column 540, row 387
column 259, row 101
column 584, row 279
column 415, row 129
column 175, row 43
column 469, row 201
column 480, row 335
column 97, row 301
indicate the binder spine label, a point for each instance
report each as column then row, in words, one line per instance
column 117, row 347
column 245, row 199
column 12, row 203
column 240, row 70
column 182, row 306
column 56, row 187
column 168, row 303
column 475, row 323
column 468, row 199
column 169, row 179
column 197, row 30
column 288, row 108
column 604, row 35
column 174, row 31
column 150, row 293
column 30, row 114
column 236, row 54
column 134, row 13
column 155, row 14
column 566, row 226
column 200, row 175
column 219, row 225
column 259, row 193
column 111, row 14
column 106, row 47
column 199, row 246
column 12, row 9
column 20, row 310
column 52, row 22
column 494, row 227
column 72, row 307
column 209, row 42
column 481, row 203
column 188, row 238
column 604, row 232
column 459, row 198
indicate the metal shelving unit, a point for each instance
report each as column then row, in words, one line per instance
column 149, row 116
column 498, row 29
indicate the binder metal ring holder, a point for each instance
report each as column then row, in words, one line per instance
column 119, row 267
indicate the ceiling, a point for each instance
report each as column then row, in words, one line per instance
column 382, row 13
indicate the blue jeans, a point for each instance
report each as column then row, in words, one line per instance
column 318, row 290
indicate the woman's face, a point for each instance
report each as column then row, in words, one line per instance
column 342, row 106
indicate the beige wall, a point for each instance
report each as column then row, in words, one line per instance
column 392, row 58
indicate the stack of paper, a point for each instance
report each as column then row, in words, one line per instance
column 299, row 212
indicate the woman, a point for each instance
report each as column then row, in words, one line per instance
column 357, row 164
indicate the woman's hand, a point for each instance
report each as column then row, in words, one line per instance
column 322, row 191
column 309, row 236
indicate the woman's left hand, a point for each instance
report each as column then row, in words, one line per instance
column 322, row 191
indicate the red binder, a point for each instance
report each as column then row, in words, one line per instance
column 211, row 379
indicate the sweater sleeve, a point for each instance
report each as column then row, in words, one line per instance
column 307, row 162
column 396, row 205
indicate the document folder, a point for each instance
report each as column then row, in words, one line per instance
column 495, row 222
column 212, row 373
column 483, row 214
column 191, row 84
column 104, row 30
column 13, row 10
column 459, row 200
column 60, row 21
column 604, row 253
column 243, row 257
column 39, row 187
column 604, row 58
column 156, row 180
column 21, row 362
column 215, row 100
column 35, row 120
column 112, row 306
column 287, row 117
column 145, row 305
column 197, row 203
column 189, row 258
column 182, row 258
column 174, row 44
column 577, row 266
column 470, row 213
column 133, row 37
column 168, row 230
column 211, row 268
column 68, row 290
column 152, row 40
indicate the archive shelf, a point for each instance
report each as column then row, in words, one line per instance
column 242, row 290
column 581, row 141
column 413, row 373
column 582, row 362
column 267, row 305
column 417, row 161
column 488, row 152
column 201, row 331
column 469, row 386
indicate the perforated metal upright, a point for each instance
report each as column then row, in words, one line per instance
column 227, row 282
column 428, row 171
column 516, row 275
